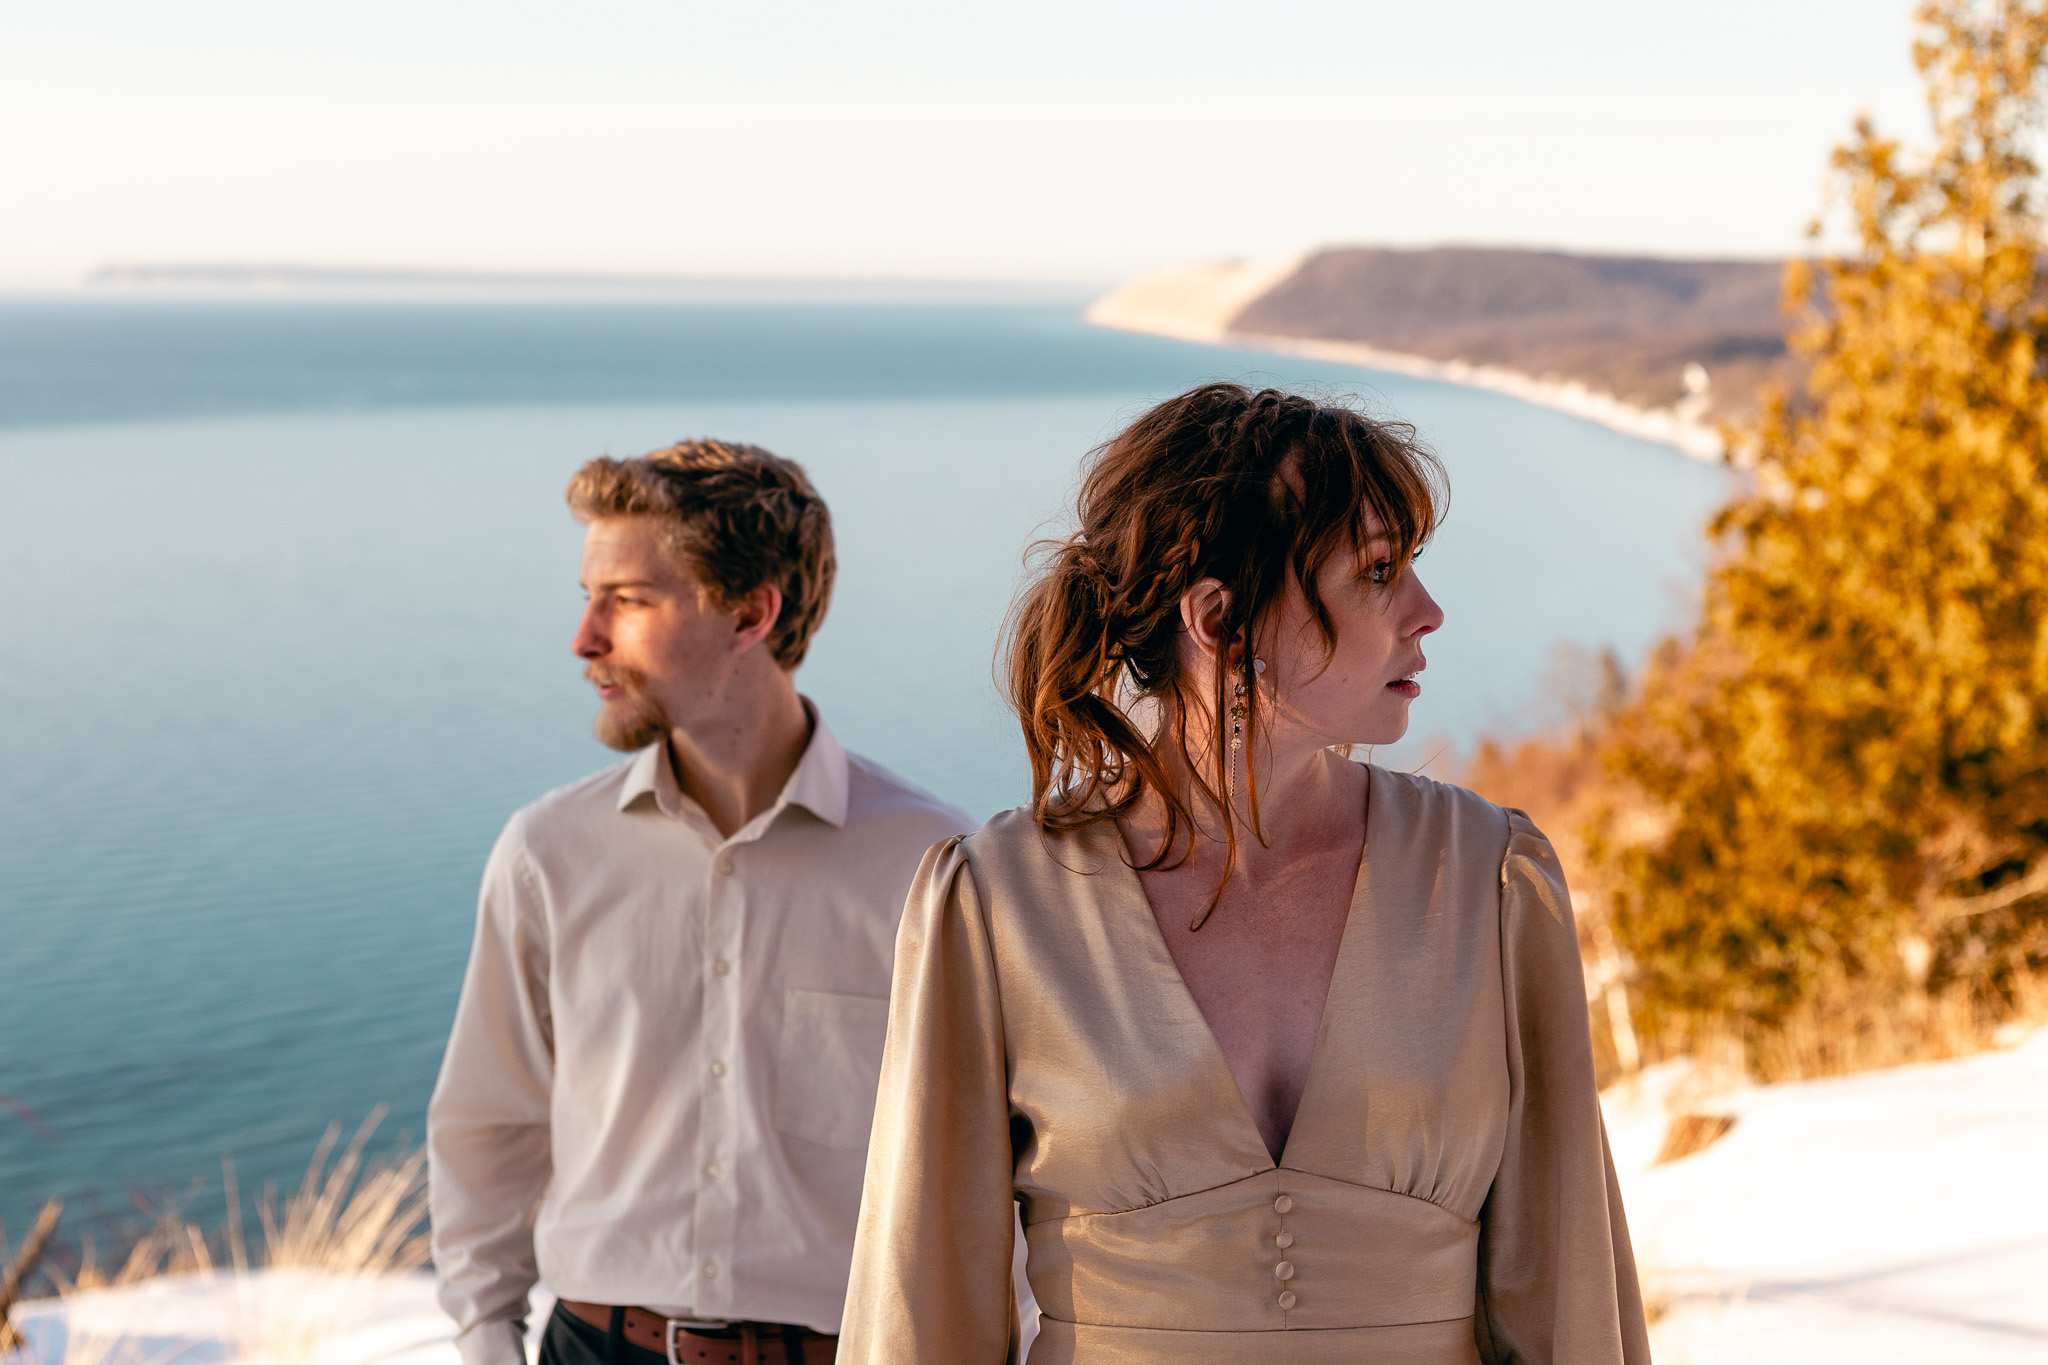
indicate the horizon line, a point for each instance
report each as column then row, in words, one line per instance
column 282, row 277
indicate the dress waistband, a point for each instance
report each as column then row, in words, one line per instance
column 1281, row 1250
column 1416, row 1343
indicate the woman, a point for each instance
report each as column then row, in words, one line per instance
column 1284, row 1057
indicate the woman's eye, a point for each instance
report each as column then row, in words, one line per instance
column 1383, row 572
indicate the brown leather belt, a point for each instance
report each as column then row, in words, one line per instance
column 734, row 1343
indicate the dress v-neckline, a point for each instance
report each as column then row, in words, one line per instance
column 1217, row 1057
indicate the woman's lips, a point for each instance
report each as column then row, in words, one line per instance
column 1407, row 687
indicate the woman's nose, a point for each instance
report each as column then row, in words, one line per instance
column 1427, row 615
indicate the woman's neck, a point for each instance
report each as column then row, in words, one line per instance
column 1308, row 799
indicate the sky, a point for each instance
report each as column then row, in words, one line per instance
column 1060, row 142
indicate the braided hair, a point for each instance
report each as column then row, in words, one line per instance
column 1249, row 488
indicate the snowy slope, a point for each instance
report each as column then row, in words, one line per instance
column 1892, row 1216
column 1896, row 1216
column 282, row 1317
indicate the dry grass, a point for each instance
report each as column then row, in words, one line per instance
column 1690, row 1133
column 351, row 1220
column 347, row 1221
column 171, row 1246
column 1850, row 1029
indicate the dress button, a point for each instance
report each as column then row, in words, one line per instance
column 1284, row 1271
column 720, row 967
column 1287, row 1299
column 714, row 1170
column 1284, row 1204
column 718, row 1068
column 725, row 865
column 1284, row 1240
column 711, row 1270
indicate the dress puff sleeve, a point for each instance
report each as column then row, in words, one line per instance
column 1557, row 1279
column 931, row 1281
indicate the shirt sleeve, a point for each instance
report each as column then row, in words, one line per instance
column 488, row 1152
column 931, row 1280
column 1557, row 1278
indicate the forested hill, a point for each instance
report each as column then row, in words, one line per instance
column 1625, row 325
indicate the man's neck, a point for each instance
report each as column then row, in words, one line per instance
column 737, row 766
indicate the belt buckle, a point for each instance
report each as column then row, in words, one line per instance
column 671, row 1326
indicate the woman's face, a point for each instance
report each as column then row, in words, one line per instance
column 1358, row 693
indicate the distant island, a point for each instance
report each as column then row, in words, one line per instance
column 1662, row 349
column 297, row 280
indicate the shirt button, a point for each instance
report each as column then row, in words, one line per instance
column 1284, row 1240
column 1287, row 1299
column 1284, row 1271
column 720, row 967
column 718, row 1068
column 714, row 1170
column 725, row 864
column 711, row 1270
column 1284, row 1204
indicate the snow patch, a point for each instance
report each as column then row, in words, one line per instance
column 275, row 1317
column 1892, row 1216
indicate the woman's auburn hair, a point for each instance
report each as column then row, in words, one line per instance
column 1253, row 489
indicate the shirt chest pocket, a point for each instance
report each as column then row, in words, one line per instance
column 828, row 1064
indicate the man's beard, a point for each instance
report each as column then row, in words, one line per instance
column 635, row 720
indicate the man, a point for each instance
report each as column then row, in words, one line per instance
column 657, row 1093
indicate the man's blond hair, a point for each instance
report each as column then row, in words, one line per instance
column 737, row 516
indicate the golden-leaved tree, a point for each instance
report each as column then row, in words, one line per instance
column 1848, row 764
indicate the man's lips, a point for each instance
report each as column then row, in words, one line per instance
column 610, row 686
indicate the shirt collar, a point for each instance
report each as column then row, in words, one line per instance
column 648, row 775
column 819, row 783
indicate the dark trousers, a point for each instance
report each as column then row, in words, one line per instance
column 569, row 1340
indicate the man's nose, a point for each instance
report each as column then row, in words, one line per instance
column 591, row 640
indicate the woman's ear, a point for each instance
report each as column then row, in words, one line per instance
column 1202, row 608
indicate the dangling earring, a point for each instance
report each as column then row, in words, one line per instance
column 1239, row 710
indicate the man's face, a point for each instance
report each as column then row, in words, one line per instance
column 657, row 649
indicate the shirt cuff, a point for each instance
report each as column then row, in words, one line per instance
column 500, row 1341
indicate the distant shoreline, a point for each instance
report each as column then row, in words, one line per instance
column 236, row 281
column 1662, row 426
column 1247, row 303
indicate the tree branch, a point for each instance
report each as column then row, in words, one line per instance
column 1947, row 908
column 23, row 1265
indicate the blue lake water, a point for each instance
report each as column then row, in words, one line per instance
column 285, row 599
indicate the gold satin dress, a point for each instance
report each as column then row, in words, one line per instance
column 1445, row 1195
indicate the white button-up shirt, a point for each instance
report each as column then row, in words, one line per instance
column 662, row 1073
